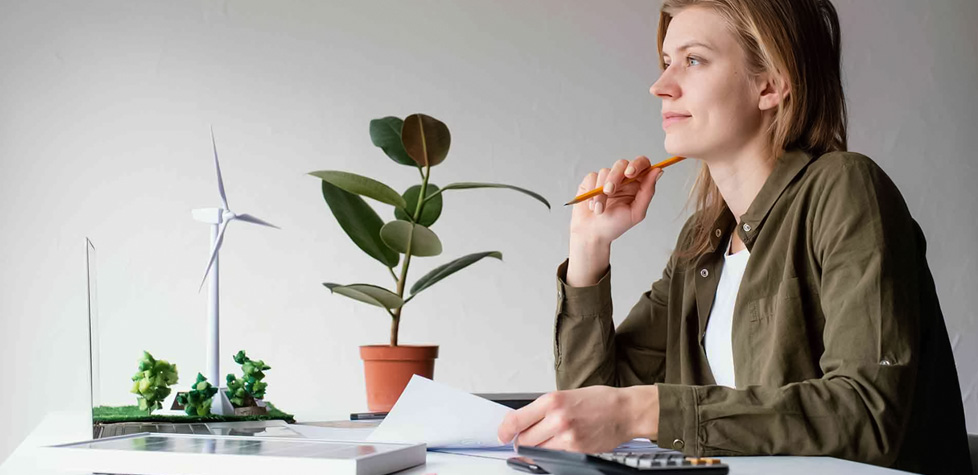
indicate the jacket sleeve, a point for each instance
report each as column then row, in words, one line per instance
column 587, row 349
column 864, row 244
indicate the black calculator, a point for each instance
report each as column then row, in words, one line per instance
column 558, row 462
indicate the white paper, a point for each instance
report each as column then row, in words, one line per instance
column 441, row 417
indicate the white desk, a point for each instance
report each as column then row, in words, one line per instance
column 63, row 427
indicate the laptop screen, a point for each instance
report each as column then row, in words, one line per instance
column 93, row 336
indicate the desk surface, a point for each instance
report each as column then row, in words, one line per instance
column 60, row 427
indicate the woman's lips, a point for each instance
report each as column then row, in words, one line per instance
column 671, row 119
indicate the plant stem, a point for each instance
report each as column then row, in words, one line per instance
column 395, row 322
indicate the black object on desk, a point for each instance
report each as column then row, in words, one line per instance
column 510, row 400
column 559, row 462
column 367, row 416
column 524, row 464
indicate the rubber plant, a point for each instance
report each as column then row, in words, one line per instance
column 420, row 142
column 151, row 384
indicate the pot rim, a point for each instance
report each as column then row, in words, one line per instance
column 398, row 353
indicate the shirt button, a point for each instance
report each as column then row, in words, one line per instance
column 746, row 228
column 678, row 444
column 704, row 272
column 718, row 233
column 885, row 362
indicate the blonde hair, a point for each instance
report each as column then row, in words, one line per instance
column 797, row 40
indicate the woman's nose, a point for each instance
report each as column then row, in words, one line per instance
column 665, row 86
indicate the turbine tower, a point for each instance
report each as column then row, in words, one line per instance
column 218, row 218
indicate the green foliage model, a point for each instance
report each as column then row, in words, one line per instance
column 197, row 402
column 151, row 384
column 418, row 141
column 242, row 392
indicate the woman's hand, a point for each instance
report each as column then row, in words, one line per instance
column 607, row 216
column 598, row 221
column 592, row 419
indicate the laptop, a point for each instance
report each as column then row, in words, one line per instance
column 271, row 428
column 257, row 447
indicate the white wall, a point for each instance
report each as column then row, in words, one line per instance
column 104, row 114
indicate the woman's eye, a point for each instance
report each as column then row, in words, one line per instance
column 692, row 61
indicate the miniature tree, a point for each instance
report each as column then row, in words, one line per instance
column 197, row 402
column 242, row 392
column 152, row 382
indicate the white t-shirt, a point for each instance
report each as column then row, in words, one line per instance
column 719, row 328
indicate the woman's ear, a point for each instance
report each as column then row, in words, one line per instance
column 773, row 89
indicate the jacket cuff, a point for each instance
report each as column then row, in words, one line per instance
column 582, row 301
column 678, row 418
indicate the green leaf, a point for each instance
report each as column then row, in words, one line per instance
column 371, row 294
column 386, row 134
column 426, row 139
column 361, row 185
column 469, row 185
column 424, row 242
column 431, row 210
column 450, row 268
column 360, row 222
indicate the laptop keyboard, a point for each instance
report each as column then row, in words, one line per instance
column 126, row 428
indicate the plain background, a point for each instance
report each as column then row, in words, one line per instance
column 104, row 115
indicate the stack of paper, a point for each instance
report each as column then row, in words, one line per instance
column 442, row 417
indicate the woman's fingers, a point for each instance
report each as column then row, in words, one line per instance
column 540, row 432
column 556, row 443
column 609, row 180
column 600, row 200
column 615, row 177
column 519, row 420
column 636, row 166
column 588, row 184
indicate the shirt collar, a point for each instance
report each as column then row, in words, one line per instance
column 787, row 167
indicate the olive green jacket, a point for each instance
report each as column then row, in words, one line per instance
column 839, row 343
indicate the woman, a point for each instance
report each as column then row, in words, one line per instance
column 797, row 314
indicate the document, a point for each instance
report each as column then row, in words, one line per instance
column 441, row 417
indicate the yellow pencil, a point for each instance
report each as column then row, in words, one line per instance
column 598, row 191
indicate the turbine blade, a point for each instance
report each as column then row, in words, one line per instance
column 217, row 248
column 220, row 181
column 251, row 219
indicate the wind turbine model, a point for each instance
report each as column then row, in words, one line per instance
column 218, row 218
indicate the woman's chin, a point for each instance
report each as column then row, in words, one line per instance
column 674, row 145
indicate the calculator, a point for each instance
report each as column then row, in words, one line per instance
column 558, row 462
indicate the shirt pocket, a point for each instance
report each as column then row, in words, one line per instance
column 780, row 339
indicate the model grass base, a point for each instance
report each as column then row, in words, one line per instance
column 111, row 414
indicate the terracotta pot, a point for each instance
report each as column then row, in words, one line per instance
column 389, row 368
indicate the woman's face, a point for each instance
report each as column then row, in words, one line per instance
column 710, row 104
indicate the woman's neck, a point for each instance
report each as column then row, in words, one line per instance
column 740, row 176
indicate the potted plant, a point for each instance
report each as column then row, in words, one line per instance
column 421, row 142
